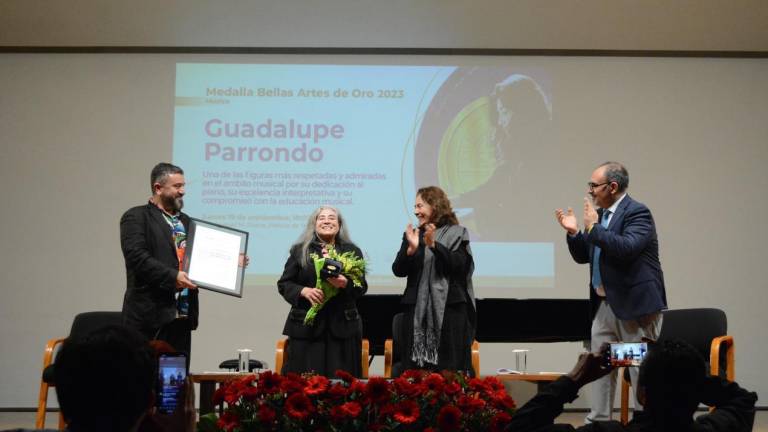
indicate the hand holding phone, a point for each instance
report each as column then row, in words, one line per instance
column 589, row 367
column 171, row 378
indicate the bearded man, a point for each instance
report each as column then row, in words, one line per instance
column 160, row 300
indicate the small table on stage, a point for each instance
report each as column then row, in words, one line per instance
column 540, row 379
column 208, row 382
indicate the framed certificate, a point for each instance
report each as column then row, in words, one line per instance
column 212, row 257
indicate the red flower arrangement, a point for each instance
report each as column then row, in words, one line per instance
column 415, row 401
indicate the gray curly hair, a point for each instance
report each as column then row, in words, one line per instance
column 309, row 235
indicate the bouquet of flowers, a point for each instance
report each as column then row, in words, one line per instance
column 352, row 267
column 416, row 401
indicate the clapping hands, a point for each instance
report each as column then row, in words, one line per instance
column 412, row 236
column 568, row 221
column 429, row 235
column 590, row 214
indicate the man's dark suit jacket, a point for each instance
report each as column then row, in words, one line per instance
column 151, row 267
column 629, row 261
column 339, row 315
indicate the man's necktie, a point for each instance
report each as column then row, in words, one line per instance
column 597, row 280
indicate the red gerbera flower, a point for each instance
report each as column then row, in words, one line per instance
column 248, row 379
column 406, row 412
column 218, row 395
column 232, row 392
column 351, row 409
column 228, row 421
column 449, row 375
column 449, row 418
column 266, row 414
column 387, row 410
column 378, row 390
column 434, row 382
column 337, row 414
column 316, row 385
column 493, row 383
column 338, row 391
column 249, row 393
column 269, row 382
column 406, row 388
column 299, row 406
column 476, row 384
column 292, row 383
column 500, row 421
column 344, row 411
column 470, row 404
column 500, row 399
column 451, row 389
column 415, row 375
column 345, row 376
column 357, row 387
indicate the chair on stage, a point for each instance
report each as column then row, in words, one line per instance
column 393, row 349
column 281, row 354
column 83, row 324
column 706, row 330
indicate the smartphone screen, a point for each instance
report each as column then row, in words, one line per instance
column 171, row 376
column 627, row 353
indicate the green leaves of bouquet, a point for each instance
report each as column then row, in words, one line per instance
column 353, row 268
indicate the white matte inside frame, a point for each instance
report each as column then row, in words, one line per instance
column 214, row 262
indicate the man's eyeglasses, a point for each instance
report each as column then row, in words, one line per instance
column 592, row 186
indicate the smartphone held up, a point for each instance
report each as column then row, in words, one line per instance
column 622, row 354
column 171, row 377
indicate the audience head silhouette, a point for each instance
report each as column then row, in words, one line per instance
column 105, row 380
column 670, row 381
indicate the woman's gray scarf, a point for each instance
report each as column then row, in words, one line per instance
column 433, row 294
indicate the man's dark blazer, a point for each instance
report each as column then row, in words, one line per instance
column 151, row 266
column 339, row 315
column 629, row 261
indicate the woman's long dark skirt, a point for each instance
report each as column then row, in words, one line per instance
column 324, row 355
column 457, row 334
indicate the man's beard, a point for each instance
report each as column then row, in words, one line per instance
column 173, row 205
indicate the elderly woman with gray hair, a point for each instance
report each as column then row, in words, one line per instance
column 439, row 322
column 333, row 341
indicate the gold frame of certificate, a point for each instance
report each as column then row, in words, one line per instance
column 213, row 257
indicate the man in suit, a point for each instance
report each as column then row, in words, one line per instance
column 160, row 300
column 627, row 292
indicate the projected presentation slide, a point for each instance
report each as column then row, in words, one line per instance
column 263, row 145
